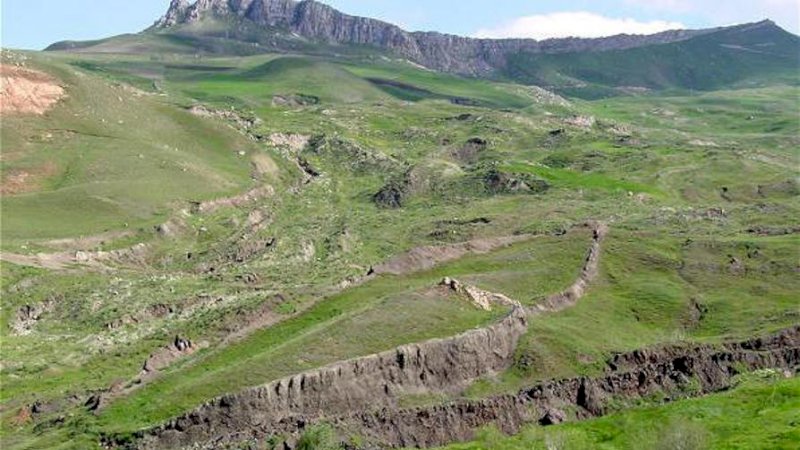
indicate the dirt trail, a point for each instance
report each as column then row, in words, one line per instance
column 76, row 254
column 86, row 243
column 99, row 260
column 250, row 196
column 423, row 258
column 27, row 91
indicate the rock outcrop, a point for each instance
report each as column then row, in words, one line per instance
column 671, row 372
column 438, row 365
column 320, row 22
column 283, row 409
column 477, row 296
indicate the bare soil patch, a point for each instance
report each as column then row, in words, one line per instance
column 20, row 181
column 26, row 91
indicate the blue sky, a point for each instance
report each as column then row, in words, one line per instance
column 34, row 24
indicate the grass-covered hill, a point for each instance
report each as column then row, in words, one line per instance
column 183, row 225
column 755, row 54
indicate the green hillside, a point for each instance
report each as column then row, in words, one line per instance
column 751, row 55
column 112, row 155
column 199, row 215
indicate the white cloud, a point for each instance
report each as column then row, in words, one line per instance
column 675, row 6
column 785, row 12
column 573, row 24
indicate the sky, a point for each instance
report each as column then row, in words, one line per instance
column 34, row 24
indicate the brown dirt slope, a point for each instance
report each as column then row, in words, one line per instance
column 27, row 91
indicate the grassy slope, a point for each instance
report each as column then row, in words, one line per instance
column 649, row 271
column 113, row 156
column 713, row 61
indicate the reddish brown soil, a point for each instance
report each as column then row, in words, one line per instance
column 26, row 91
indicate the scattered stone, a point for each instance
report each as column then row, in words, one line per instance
column 553, row 416
column 244, row 122
column 736, row 266
column 248, row 278
column 498, row 182
column 291, row 141
column 165, row 356
column 761, row 230
column 295, row 100
column 581, row 121
column 95, row 402
column 390, row 196
column 29, row 315
column 469, row 153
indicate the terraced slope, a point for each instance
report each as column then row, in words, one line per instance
column 328, row 238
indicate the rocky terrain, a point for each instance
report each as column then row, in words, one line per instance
column 265, row 224
column 288, row 406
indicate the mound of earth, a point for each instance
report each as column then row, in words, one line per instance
column 26, row 91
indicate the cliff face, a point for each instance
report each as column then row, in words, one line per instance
column 672, row 372
column 317, row 21
column 359, row 395
column 376, row 381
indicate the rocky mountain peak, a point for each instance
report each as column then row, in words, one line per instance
column 321, row 23
column 267, row 12
column 175, row 14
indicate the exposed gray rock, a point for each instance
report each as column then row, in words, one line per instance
column 553, row 416
column 320, row 22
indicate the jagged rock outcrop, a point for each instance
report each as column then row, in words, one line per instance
column 320, row 22
column 438, row 365
column 175, row 15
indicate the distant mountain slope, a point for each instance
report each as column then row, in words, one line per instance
column 321, row 22
column 690, row 59
column 758, row 52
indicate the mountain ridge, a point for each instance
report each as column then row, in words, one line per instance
column 705, row 59
column 439, row 51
